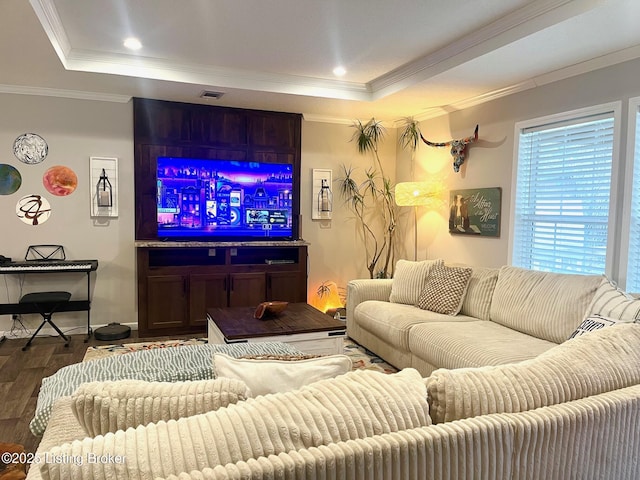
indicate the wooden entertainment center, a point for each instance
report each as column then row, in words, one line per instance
column 178, row 281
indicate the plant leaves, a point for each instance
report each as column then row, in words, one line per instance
column 410, row 136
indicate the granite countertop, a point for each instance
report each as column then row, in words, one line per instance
column 258, row 243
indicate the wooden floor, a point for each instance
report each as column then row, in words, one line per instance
column 21, row 374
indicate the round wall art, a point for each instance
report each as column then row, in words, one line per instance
column 60, row 180
column 30, row 148
column 10, row 179
column 33, row 209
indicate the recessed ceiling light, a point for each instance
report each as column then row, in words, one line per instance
column 339, row 71
column 132, row 43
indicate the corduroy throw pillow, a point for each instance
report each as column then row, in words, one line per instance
column 409, row 279
column 102, row 407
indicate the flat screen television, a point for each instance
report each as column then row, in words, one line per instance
column 201, row 199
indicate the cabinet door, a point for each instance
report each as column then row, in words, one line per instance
column 285, row 286
column 247, row 289
column 167, row 301
column 206, row 291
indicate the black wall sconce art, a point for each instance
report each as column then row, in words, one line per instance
column 322, row 204
column 104, row 191
column 103, row 176
column 325, row 199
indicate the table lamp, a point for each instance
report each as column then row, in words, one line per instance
column 327, row 298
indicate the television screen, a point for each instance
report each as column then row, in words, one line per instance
column 223, row 199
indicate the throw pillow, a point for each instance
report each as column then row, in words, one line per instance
column 593, row 323
column 359, row 404
column 409, row 279
column 272, row 376
column 102, row 407
column 611, row 302
column 477, row 301
column 602, row 361
column 445, row 289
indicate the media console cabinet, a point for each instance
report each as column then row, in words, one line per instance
column 179, row 281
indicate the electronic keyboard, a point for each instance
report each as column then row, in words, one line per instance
column 46, row 266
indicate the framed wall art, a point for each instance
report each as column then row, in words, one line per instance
column 103, row 186
column 475, row 211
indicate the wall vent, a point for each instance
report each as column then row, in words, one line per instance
column 211, row 94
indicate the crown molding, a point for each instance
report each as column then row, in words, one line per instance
column 50, row 20
column 511, row 27
column 61, row 93
column 158, row 69
column 603, row 61
column 313, row 117
column 349, row 122
column 493, row 95
column 587, row 66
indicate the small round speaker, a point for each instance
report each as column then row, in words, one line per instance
column 113, row 331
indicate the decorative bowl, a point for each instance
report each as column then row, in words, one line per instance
column 270, row 309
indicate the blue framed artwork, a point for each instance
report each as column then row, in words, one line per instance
column 475, row 211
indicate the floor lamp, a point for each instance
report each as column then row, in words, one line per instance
column 414, row 194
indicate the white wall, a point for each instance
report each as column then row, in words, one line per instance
column 335, row 251
column 490, row 161
column 74, row 130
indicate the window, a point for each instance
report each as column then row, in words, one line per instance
column 563, row 191
column 632, row 230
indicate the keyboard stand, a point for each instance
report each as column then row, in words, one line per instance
column 70, row 306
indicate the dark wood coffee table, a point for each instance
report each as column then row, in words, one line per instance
column 300, row 325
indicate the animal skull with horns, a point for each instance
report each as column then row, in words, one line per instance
column 458, row 148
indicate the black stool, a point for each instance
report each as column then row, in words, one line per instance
column 46, row 304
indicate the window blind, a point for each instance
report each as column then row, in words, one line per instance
column 562, row 195
column 633, row 262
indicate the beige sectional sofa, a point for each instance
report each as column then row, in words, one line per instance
column 571, row 412
column 516, row 399
column 507, row 314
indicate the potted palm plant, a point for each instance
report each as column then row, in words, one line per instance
column 372, row 196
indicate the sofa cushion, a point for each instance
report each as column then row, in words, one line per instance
column 602, row 361
column 472, row 344
column 271, row 376
column 102, row 407
column 358, row 404
column 477, row 301
column 392, row 321
column 63, row 427
column 546, row 305
column 409, row 279
column 445, row 289
column 610, row 301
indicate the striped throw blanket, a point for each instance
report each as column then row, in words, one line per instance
column 187, row 362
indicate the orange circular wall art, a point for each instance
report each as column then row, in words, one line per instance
column 60, row 180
